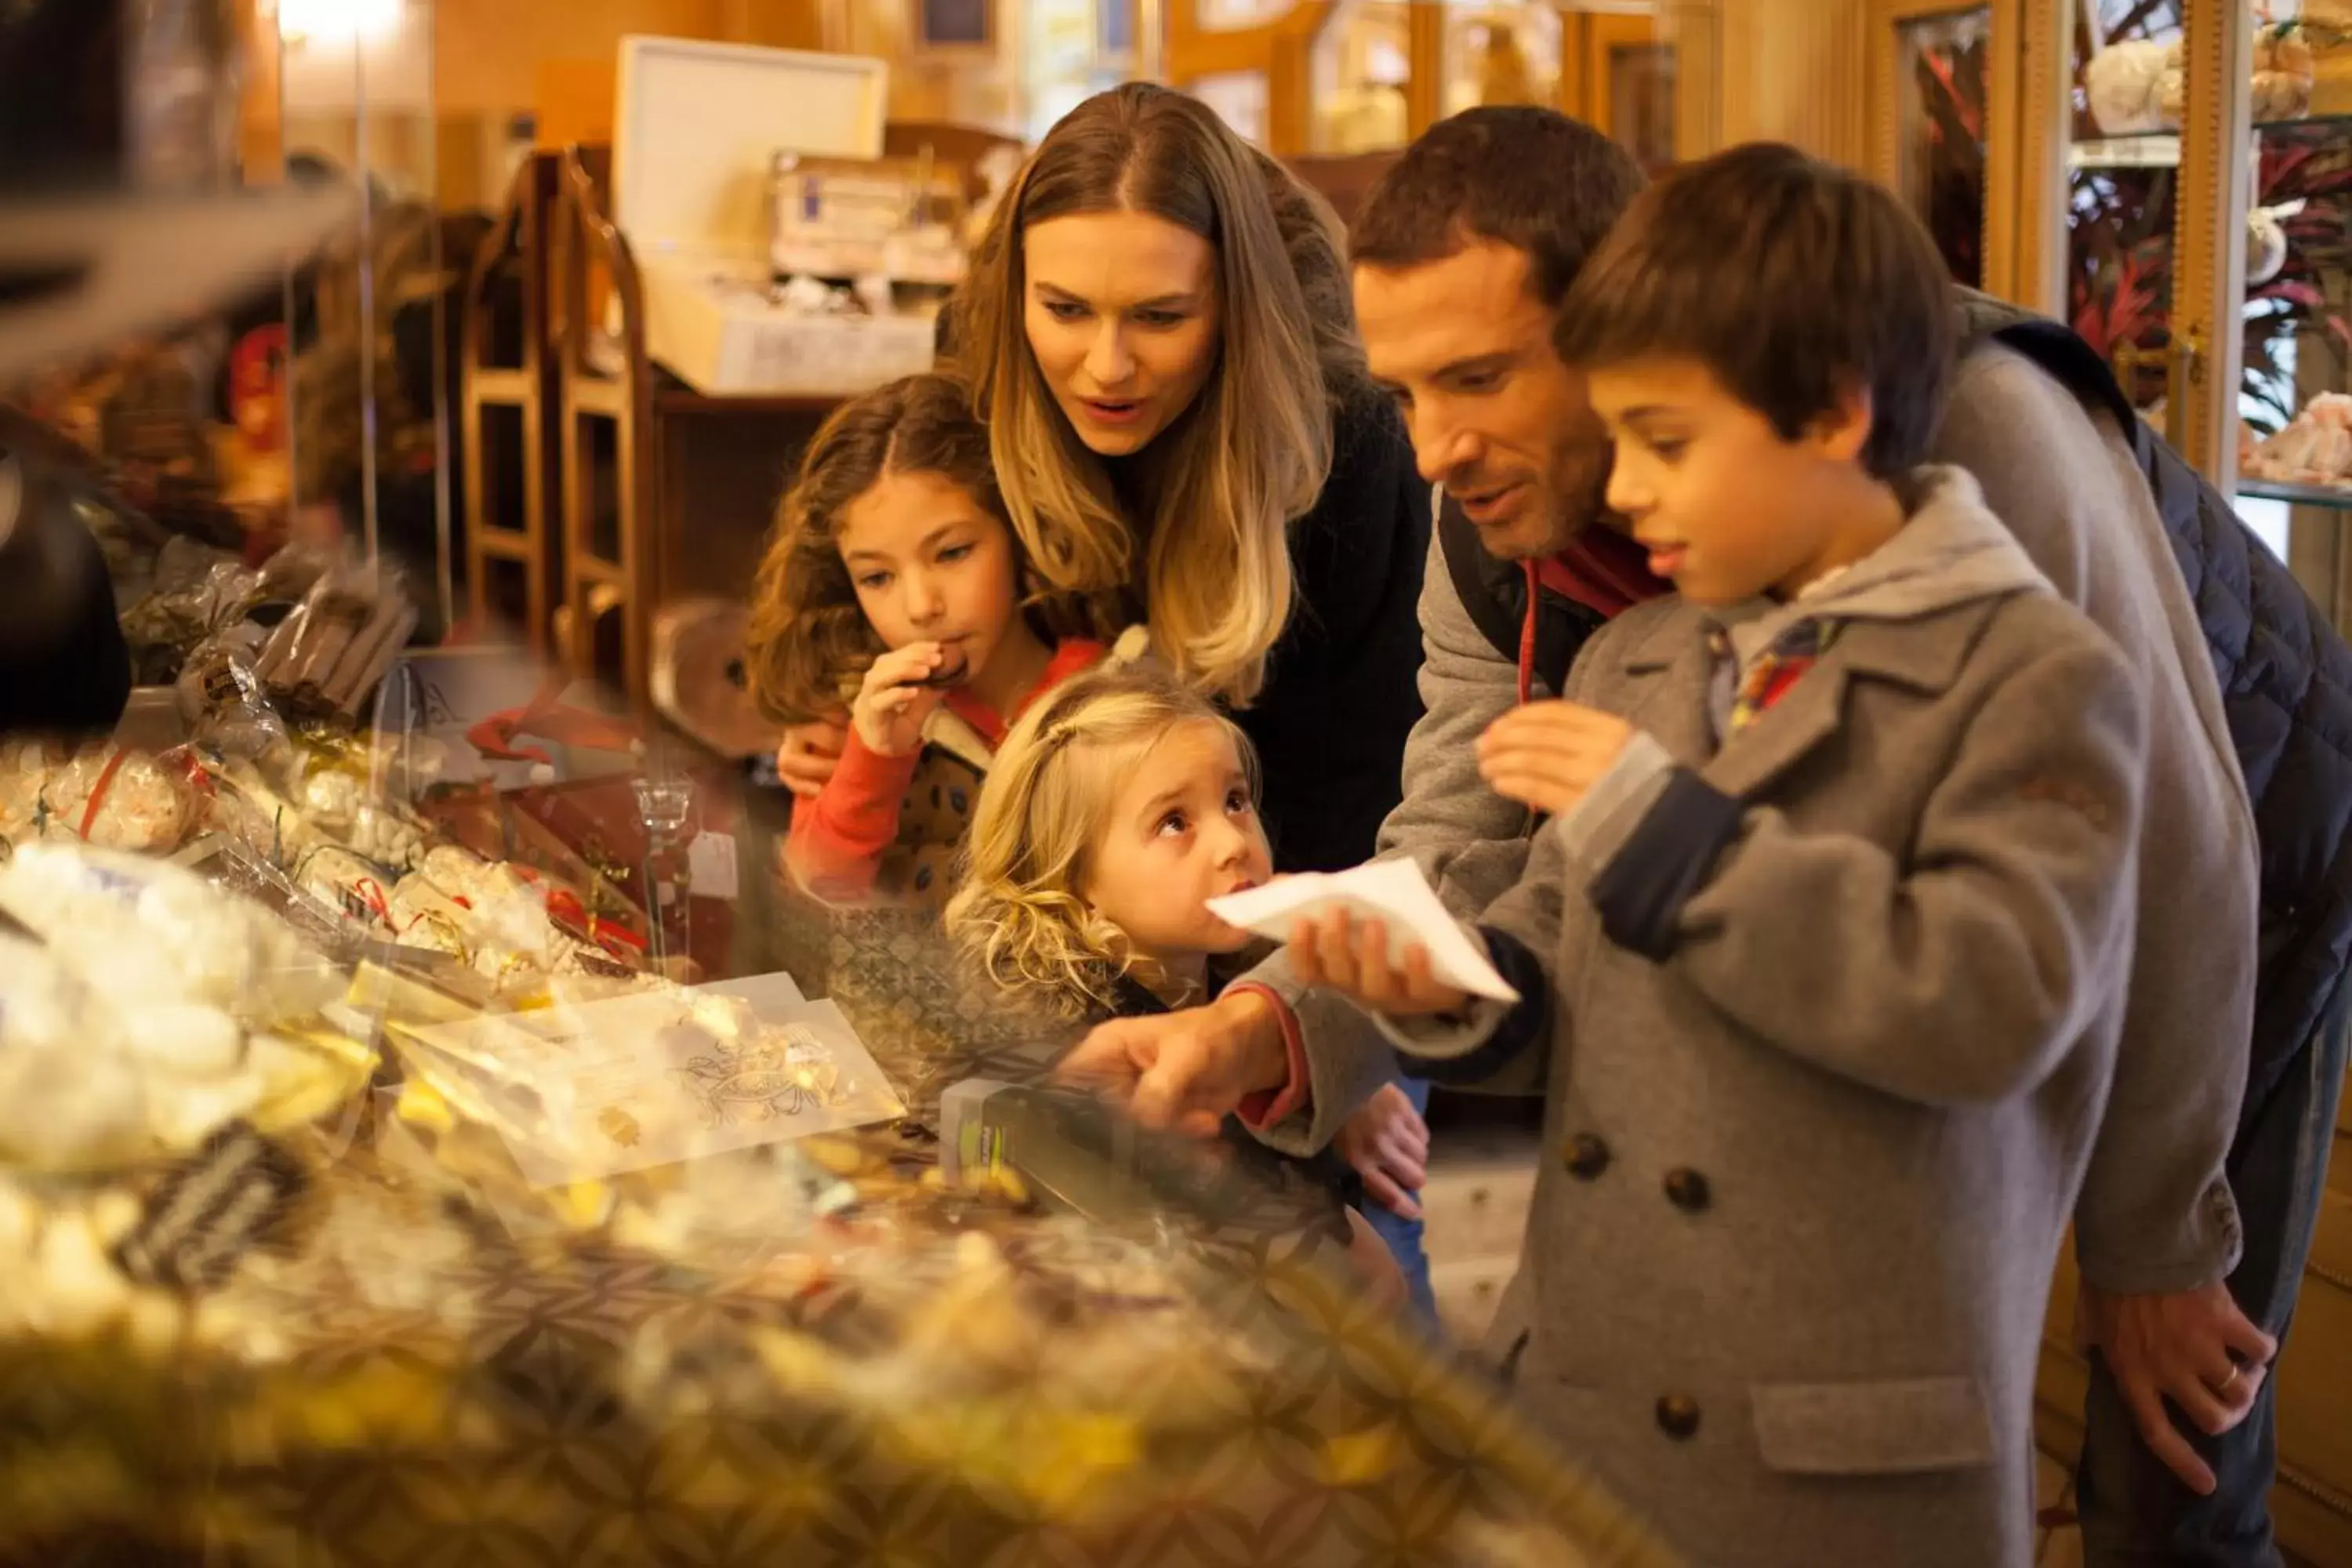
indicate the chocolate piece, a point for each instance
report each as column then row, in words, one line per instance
column 209, row 1212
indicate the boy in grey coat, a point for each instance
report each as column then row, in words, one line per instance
column 1829, row 933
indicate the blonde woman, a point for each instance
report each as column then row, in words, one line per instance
column 1158, row 334
column 1119, row 805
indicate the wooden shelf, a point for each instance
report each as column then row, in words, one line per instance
column 507, row 543
column 506, row 387
column 686, row 400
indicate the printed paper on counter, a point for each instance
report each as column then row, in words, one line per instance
column 589, row 1091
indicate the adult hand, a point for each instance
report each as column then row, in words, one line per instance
column 1187, row 1070
column 2194, row 1348
column 1351, row 956
column 1386, row 1143
column 809, row 754
column 1548, row 755
column 892, row 702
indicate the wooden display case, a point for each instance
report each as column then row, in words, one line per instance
column 2161, row 225
column 1340, row 78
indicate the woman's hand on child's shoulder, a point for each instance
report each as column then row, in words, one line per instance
column 1386, row 1143
column 1352, row 956
column 809, row 754
column 893, row 701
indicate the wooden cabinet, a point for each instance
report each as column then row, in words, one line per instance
column 1337, row 77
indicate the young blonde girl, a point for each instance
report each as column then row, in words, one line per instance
column 894, row 587
column 1119, row 806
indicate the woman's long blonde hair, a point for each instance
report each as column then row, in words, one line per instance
column 1255, row 450
column 1020, row 911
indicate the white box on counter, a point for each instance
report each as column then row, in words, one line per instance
column 694, row 148
column 717, row 331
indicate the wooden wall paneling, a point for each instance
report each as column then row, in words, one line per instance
column 1695, row 29
column 1424, row 86
column 1570, row 98
column 1794, row 70
column 490, row 57
column 2010, row 211
column 2208, row 244
column 778, row 24
column 2043, row 63
column 260, row 116
column 1290, row 92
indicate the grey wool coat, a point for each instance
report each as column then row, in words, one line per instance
column 2155, row 1214
column 1819, row 1136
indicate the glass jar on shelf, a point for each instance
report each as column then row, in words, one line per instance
column 1361, row 63
column 1507, row 52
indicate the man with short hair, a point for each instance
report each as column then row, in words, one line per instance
column 1462, row 253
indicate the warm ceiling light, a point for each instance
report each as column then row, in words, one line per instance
column 337, row 21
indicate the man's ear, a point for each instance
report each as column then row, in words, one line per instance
column 1843, row 430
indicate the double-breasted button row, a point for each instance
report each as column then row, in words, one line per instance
column 1686, row 1190
column 1587, row 1157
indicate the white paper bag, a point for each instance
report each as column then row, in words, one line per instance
column 1393, row 890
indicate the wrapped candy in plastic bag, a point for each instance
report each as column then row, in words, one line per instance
column 117, row 797
column 153, row 930
column 70, row 1095
column 328, row 657
column 220, row 695
column 341, row 804
column 344, row 881
column 198, row 594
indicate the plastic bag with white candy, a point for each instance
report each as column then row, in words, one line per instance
column 116, row 797
column 70, row 1095
column 147, row 930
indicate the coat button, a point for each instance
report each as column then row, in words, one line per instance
column 1678, row 1416
column 1586, row 1157
column 1686, row 1190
